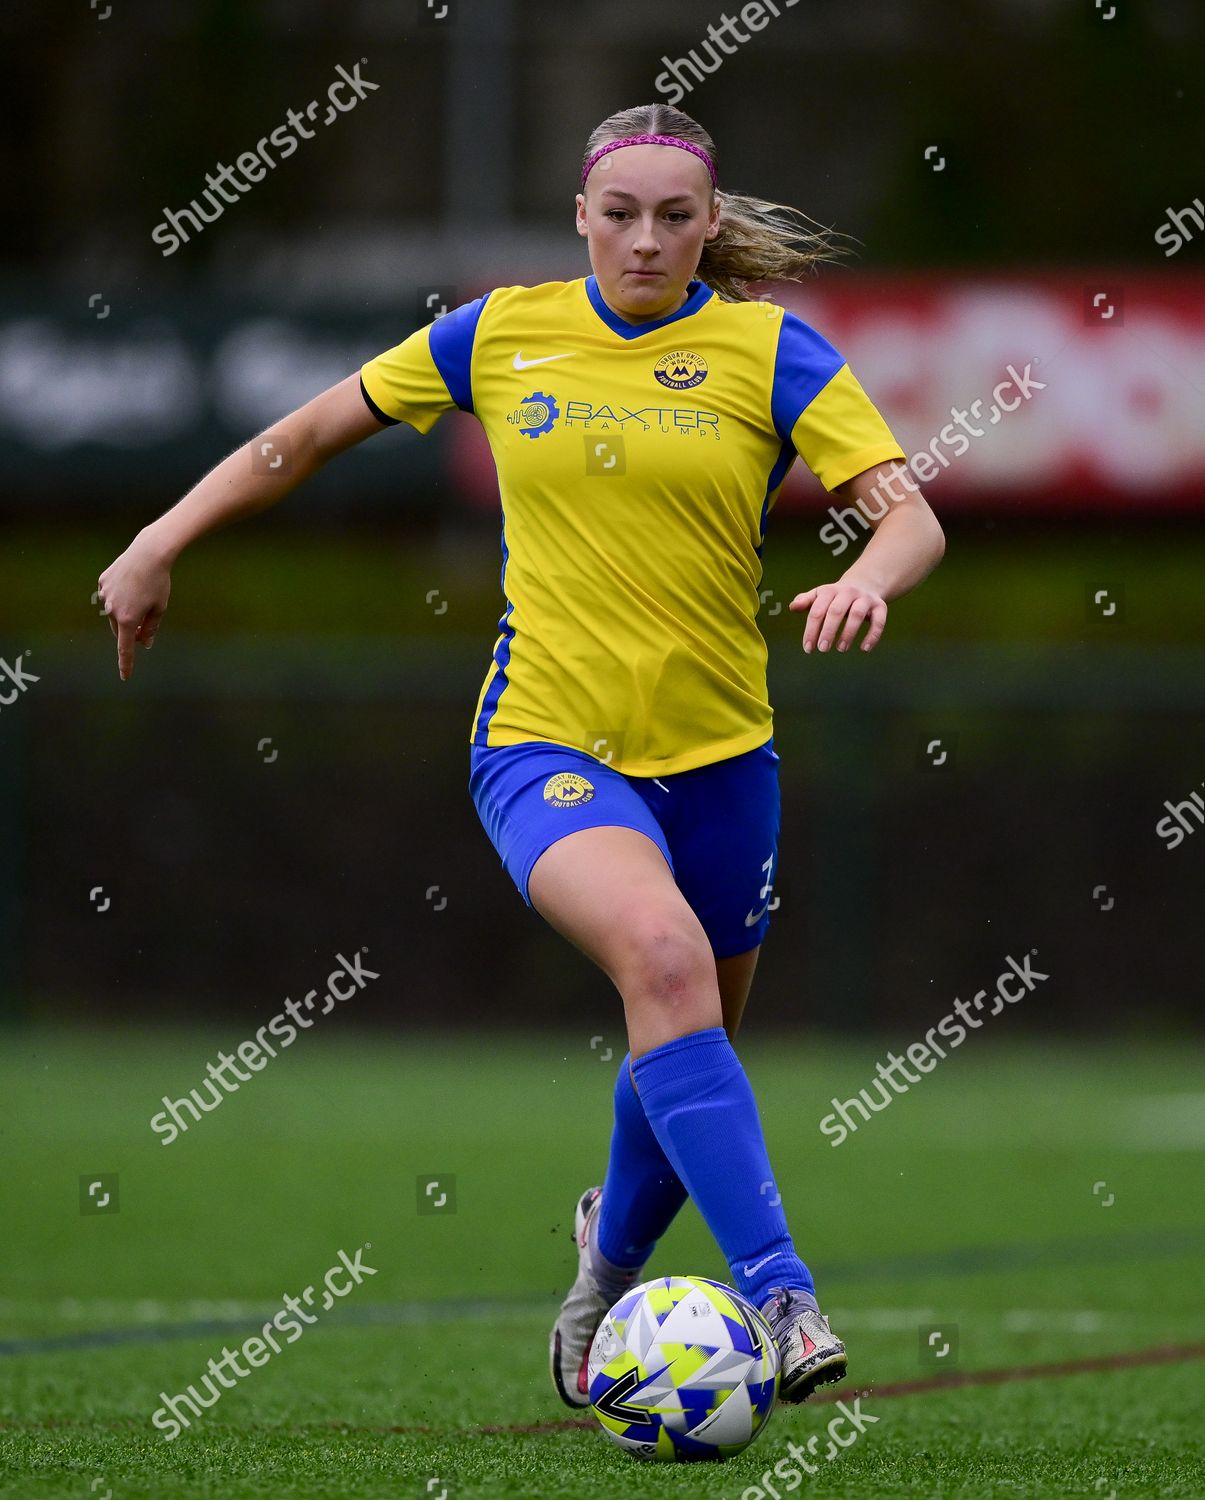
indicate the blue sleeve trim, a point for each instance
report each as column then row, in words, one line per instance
column 452, row 338
column 803, row 366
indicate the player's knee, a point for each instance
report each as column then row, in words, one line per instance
column 667, row 965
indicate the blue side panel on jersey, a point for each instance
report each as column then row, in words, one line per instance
column 778, row 473
column 501, row 656
column 803, row 366
column 452, row 349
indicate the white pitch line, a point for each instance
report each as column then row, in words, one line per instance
column 1163, row 1122
column 147, row 1311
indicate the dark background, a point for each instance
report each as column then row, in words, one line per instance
column 233, row 877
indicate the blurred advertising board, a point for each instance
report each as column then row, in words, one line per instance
column 107, row 400
column 1043, row 394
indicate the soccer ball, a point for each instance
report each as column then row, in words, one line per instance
column 682, row 1369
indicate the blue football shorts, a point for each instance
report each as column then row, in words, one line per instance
column 717, row 825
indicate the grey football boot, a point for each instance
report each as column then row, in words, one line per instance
column 810, row 1351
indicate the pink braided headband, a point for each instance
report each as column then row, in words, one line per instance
column 650, row 140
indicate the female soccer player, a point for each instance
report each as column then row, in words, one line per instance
column 642, row 420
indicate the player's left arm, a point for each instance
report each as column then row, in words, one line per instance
column 906, row 545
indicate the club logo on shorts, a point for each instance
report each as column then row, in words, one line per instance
column 568, row 789
column 681, row 370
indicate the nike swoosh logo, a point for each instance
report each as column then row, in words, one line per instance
column 527, row 364
column 754, row 917
column 749, row 1270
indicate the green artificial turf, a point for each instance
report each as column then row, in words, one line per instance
column 1035, row 1206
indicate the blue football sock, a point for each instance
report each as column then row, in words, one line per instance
column 701, row 1108
column 642, row 1192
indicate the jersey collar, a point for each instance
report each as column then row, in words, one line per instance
column 698, row 293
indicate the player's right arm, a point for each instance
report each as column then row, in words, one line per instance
column 135, row 586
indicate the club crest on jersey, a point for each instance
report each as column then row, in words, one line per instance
column 568, row 789
column 536, row 416
column 681, row 370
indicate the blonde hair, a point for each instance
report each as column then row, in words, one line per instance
column 757, row 240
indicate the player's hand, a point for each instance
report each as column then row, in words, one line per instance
column 847, row 604
column 135, row 589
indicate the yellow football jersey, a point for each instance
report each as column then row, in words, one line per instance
column 637, row 465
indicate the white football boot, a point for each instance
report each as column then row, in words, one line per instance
column 588, row 1302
